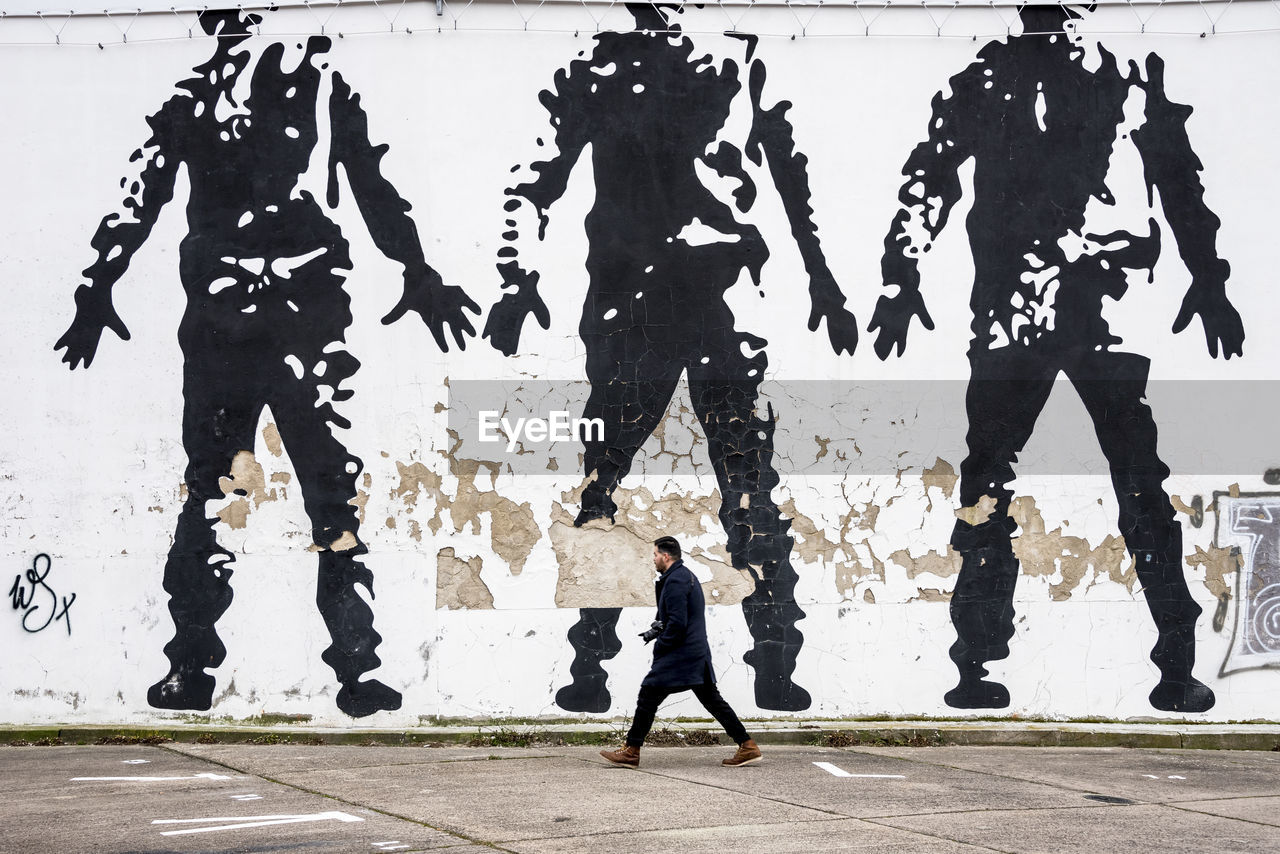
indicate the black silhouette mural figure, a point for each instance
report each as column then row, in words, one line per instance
column 652, row 111
column 265, row 324
column 1040, row 128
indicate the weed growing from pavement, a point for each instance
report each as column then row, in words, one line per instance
column 841, row 738
column 666, row 737
column 139, row 738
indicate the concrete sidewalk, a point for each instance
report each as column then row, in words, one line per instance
column 829, row 733
column 906, row 800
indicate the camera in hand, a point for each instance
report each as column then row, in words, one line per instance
column 651, row 633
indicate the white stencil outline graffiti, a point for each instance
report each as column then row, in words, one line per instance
column 1250, row 525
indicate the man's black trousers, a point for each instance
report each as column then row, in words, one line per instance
column 651, row 696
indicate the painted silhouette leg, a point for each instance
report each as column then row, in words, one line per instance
column 1175, row 613
column 631, row 386
column 218, row 421
column 724, row 392
column 1006, row 394
column 327, row 474
column 350, row 622
column 1112, row 386
column 771, row 613
column 594, row 639
column 197, row 577
column 982, row 614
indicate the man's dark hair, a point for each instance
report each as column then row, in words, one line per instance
column 668, row 546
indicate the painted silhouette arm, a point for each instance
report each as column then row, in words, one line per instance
column 1172, row 167
column 927, row 196
column 386, row 214
column 118, row 237
column 568, row 106
column 772, row 136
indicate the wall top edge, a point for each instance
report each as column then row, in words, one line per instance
column 81, row 8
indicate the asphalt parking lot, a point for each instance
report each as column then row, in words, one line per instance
column 268, row 798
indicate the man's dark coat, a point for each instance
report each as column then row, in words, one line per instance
column 681, row 654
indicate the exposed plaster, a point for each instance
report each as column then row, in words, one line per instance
column 458, row 582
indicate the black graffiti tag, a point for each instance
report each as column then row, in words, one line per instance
column 37, row 601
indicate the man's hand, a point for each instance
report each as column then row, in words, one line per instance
column 1221, row 321
column 508, row 314
column 94, row 313
column 439, row 305
column 893, row 318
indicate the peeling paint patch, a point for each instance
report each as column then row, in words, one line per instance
column 345, row 543
column 812, row 542
column 942, row 476
column 248, row 481
column 978, row 513
column 1217, row 564
column 610, row 566
column 601, row 567
column 360, row 502
column 942, row 564
column 235, row 514
column 850, row 572
column 458, row 582
column 1049, row 553
column 513, row 530
column 271, row 436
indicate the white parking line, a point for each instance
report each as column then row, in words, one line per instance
column 147, row 779
column 239, row 822
column 836, row 771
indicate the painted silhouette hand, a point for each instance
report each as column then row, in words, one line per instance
column 1221, row 321
column 94, row 313
column 893, row 318
column 439, row 305
column 842, row 327
column 828, row 302
column 508, row 314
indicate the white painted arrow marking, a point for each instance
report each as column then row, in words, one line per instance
column 239, row 822
column 147, row 779
column 836, row 771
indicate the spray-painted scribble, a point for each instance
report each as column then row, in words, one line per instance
column 663, row 251
column 1251, row 525
column 35, row 599
column 1041, row 128
column 263, row 267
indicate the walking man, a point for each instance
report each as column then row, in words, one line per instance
column 663, row 252
column 681, row 660
column 1043, row 122
column 265, row 325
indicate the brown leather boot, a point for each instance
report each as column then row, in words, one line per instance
column 628, row 756
column 748, row 754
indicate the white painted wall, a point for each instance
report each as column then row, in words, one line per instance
column 92, row 466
